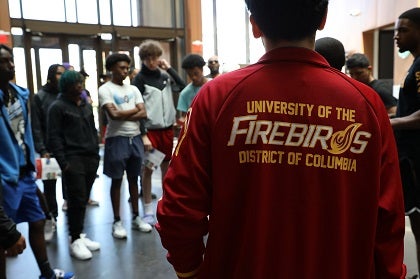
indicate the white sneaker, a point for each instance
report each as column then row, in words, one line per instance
column 49, row 229
column 79, row 250
column 118, row 230
column 91, row 245
column 139, row 224
column 149, row 219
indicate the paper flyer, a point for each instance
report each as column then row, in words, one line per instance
column 153, row 159
column 47, row 168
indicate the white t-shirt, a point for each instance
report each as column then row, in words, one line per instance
column 124, row 97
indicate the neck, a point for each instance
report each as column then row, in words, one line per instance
column 117, row 81
column 305, row 43
column 4, row 85
column 74, row 98
column 5, row 89
column 415, row 53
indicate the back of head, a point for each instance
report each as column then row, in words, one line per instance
column 413, row 15
column 357, row 60
column 290, row 20
column 150, row 48
column 193, row 60
column 114, row 58
column 69, row 79
column 332, row 50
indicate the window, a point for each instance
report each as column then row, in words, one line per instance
column 233, row 46
column 105, row 12
column 54, row 12
column 20, row 66
column 121, row 12
column 87, row 11
column 156, row 13
column 71, row 15
column 48, row 57
column 14, row 9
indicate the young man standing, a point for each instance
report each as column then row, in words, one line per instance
column 288, row 166
column 155, row 87
column 124, row 150
column 17, row 164
column 193, row 64
column 73, row 139
column 213, row 64
column 407, row 121
column 360, row 69
column 39, row 106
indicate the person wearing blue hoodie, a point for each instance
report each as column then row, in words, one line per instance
column 17, row 164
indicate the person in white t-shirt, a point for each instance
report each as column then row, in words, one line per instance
column 124, row 150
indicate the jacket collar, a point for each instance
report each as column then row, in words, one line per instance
column 294, row 54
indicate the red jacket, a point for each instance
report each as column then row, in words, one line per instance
column 291, row 168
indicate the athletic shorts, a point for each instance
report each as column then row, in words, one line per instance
column 21, row 201
column 162, row 140
column 123, row 154
column 410, row 177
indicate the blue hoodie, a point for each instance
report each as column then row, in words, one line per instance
column 12, row 157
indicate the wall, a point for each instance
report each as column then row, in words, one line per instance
column 357, row 32
column 373, row 14
column 4, row 19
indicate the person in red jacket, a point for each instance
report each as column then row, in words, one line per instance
column 288, row 166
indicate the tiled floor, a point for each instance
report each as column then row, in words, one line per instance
column 140, row 256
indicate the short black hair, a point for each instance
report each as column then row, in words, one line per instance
column 332, row 50
column 8, row 49
column 52, row 73
column 193, row 60
column 287, row 19
column 114, row 58
column 357, row 60
column 413, row 15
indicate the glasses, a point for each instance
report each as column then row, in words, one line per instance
column 213, row 61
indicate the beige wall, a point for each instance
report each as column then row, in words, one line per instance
column 4, row 18
column 374, row 14
column 357, row 33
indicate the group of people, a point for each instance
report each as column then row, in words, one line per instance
column 61, row 126
column 358, row 67
column 286, row 168
column 404, row 112
column 19, row 202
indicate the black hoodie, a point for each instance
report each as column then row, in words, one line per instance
column 39, row 109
